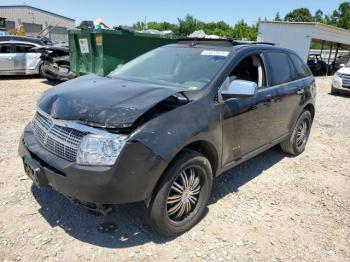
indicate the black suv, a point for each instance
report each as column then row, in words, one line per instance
column 160, row 128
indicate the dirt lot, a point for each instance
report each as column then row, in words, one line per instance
column 271, row 208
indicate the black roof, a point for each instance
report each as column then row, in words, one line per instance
column 39, row 41
column 35, row 8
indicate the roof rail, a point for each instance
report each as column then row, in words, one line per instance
column 262, row 43
column 227, row 42
column 206, row 41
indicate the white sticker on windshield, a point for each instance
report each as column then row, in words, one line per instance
column 215, row 53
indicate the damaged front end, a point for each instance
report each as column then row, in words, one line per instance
column 115, row 105
column 166, row 105
column 55, row 63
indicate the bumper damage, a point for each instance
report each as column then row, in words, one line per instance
column 131, row 179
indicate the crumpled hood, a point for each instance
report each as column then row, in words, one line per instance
column 108, row 102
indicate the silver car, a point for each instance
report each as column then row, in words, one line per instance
column 16, row 58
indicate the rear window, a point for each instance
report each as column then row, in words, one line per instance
column 301, row 69
column 279, row 67
column 5, row 48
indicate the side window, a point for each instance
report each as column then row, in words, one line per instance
column 279, row 68
column 251, row 69
column 302, row 70
column 5, row 48
column 23, row 48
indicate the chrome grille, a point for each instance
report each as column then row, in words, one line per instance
column 346, row 80
column 62, row 141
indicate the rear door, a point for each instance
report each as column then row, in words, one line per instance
column 6, row 58
column 302, row 82
column 284, row 92
column 25, row 59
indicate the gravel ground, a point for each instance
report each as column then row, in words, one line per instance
column 270, row 208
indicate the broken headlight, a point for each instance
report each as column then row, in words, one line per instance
column 100, row 150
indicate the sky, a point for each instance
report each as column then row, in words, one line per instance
column 128, row 12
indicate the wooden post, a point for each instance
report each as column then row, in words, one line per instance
column 329, row 58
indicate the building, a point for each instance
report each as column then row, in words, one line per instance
column 299, row 36
column 37, row 21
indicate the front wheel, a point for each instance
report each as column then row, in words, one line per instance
column 296, row 142
column 334, row 91
column 182, row 195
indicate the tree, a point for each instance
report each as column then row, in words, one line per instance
column 188, row 25
column 319, row 16
column 299, row 15
column 139, row 26
column 277, row 17
column 241, row 31
column 162, row 26
column 342, row 15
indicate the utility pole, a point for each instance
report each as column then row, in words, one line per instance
column 145, row 26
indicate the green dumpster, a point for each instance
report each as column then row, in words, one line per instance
column 100, row 51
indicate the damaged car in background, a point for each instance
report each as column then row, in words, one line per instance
column 159, row 129
column 55, row 62
column 17, row 56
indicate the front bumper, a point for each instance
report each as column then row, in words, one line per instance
column 55, row 73
column 131, row 179
column 337, row 85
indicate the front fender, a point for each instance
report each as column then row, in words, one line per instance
column 170, row 132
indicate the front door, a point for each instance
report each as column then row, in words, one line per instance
column 246, row 121
column 6, row 58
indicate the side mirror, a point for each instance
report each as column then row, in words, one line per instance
column 239, row 89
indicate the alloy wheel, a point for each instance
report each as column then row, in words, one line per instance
column 184, row 194
column 302, row 134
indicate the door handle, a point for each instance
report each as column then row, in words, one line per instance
column 268, row 100
column 300, row 91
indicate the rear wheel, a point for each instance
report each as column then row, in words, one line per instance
column 41, row 71
column 296, row 142
column 182, row 195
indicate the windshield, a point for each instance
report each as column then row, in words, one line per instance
column 174, row 66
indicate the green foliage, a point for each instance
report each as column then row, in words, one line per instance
column 186, row 26
column 319, row 17
column 242, row 31
column 139, row 26
column 299, row 15
column 277, row 17
column 342, row 15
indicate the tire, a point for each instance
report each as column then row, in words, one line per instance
column 41, row 72
column 334, row 91
column 165, row 200
column 296, row 143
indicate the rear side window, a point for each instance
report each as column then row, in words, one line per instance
column 279, row 68
column 5, row 48
column 301, row 69
column 23, row 48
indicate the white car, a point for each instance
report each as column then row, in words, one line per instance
column 341, row 80
column 16, row 56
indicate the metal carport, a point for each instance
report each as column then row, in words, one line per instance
column 299, row 36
